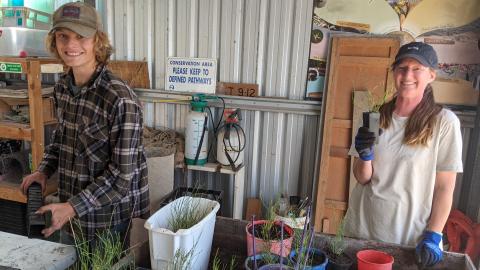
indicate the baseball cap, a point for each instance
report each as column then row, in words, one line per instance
column 422, row 52
column 78, row 17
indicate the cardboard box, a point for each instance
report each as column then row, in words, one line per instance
column 454, row 92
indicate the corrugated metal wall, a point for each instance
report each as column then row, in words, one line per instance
column 467, row 125
column 255, row 41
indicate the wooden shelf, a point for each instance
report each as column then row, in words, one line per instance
column 34, row 131
column 50, row 65
column 11, row 191
column 21, row 60
column 15, row 94
column 211, row 167
column 15, row 131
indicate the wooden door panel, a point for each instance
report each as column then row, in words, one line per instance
column 356, row 64
column 338, row 171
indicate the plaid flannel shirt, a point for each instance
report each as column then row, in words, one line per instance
column 98, row 151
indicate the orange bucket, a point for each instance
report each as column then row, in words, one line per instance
column 370, row 259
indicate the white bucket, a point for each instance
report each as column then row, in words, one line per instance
column 164, row 243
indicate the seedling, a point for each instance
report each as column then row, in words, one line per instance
column 108, row 250
column 186, row 212
column 218, row 265
column 337, row 245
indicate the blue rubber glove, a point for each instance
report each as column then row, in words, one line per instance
column 428, row 251
column 364, row 143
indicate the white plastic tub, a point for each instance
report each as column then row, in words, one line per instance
column 164, row 243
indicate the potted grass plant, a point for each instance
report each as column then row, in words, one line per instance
column 311, row 258
column 267, row 260
column 187, row 224
column 266, row 235
column 303, row 255
column 337, row 258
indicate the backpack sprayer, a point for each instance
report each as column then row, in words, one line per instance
column 196, row 133
column 230, row 136
column 231, row 140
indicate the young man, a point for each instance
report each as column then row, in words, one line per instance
column 97, row 145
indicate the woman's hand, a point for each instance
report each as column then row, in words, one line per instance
column 429, row 251
column 364, row 143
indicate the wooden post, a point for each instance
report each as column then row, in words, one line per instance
column 35, row 110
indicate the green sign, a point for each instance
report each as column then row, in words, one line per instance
column 10, row 67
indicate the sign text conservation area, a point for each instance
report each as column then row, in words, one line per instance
column 197, row 75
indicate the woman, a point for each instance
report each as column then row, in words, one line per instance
column 406, row 181
column 97, row 146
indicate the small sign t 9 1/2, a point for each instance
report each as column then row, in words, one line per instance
column 237, row 89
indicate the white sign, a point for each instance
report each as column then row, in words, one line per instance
column 197, row 75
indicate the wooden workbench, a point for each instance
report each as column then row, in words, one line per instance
column 230, row 239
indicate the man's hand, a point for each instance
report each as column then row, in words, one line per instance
column 61, row 214
column 428, row 251
column 38, row 177
column 364, row 143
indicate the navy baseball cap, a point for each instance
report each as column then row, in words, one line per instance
column 422, row 52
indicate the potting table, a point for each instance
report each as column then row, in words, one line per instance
column 230, row 239
column 20, row 252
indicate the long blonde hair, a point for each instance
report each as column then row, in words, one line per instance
column 420, row 124
column 103, row 48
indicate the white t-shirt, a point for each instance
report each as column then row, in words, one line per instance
column 396, row 204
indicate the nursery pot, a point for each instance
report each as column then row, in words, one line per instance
column 273, row 246
column 371, row 120
column 320, row 263
column 374, row 260
column 263, row 259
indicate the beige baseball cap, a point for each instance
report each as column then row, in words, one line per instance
column 78, row 17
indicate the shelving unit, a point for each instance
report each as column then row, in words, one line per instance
column 34, row 131
column 238, row 178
